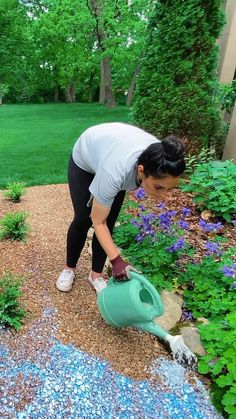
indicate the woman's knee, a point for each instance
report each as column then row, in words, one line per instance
column 81, row 223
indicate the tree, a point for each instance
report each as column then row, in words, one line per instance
column 13, row 44
column 177, row 83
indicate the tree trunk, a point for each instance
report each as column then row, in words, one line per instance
column 109, row 97
column 72, row 91
column 68, row 97
column 102, row 95
column 90, row 88
column 56, row 94
column 1, row 99
column 132, row 86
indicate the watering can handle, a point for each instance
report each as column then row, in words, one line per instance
column 154, row 293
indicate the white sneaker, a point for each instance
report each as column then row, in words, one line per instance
column 65, row 280
column 98, row 284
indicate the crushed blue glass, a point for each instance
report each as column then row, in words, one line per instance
column 68, row 383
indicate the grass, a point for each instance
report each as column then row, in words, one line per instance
column 36, row 140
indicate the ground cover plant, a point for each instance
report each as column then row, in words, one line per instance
column 36, row 140
column 178, row 249
column 11, row 310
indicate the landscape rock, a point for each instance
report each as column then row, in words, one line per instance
column 172, row 310
column 192, row 339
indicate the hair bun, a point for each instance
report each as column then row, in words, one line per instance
column 173, row 148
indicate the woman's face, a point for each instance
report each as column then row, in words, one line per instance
column 157, row 188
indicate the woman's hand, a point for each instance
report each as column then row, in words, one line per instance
column 121, row 269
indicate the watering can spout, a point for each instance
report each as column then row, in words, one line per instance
column 152, row 328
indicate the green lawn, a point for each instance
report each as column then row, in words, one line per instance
column 36, row 140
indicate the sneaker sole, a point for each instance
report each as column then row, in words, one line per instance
column 92, row 286
column 64, row 289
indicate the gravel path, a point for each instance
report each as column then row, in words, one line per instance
column 65, row 362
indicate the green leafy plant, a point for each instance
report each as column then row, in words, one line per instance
column 208, row 291
column 219, row 339
column 227, row 96
column 15, row 191
column 11, row 310
column 214, row 187
column 13, row 226
column 193, row 160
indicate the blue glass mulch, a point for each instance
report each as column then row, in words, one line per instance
column 73, row 384
column 61, row 381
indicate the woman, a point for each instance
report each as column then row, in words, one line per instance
column 107, row 160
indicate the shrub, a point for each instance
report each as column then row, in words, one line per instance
column 13, row 226
column 214, row 186
column 11, row 311
column 177, row 84
column 15, row 191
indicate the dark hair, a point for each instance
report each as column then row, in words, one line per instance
column 163, row 158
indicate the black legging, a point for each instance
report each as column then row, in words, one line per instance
column 79, row 182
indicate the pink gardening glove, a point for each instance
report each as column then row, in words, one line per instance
column 121, row 269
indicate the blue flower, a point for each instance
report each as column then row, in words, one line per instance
column 228, row 271
column 212, row 248
column 161, row 205
column 186, row 212
column 165, row 219
column 141, row 207
column 209, row 227
column 180, row 244
column 135, row 222
column 183, row 224
column 140, row 193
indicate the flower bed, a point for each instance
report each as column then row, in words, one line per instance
column 177, row 247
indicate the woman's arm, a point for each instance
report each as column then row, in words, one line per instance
column 99, row 216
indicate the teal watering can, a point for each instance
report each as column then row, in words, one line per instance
column 136, row 303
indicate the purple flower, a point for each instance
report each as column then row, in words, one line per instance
column 140, row 193
column 209, row 227
column 228, row 271
column 165, row 219
column 186, row 315
column 183, row 224
column 161, row 205
column 234, row 223
column 139, row 238
column 141, row 207
column 135, row 222
column 180, row 244
column 186, row 212
column 212, row 248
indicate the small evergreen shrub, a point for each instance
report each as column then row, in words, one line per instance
column 13, row 226
column 14, row 191
column 11, row 311
column 214, row 186
column 177, row 84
